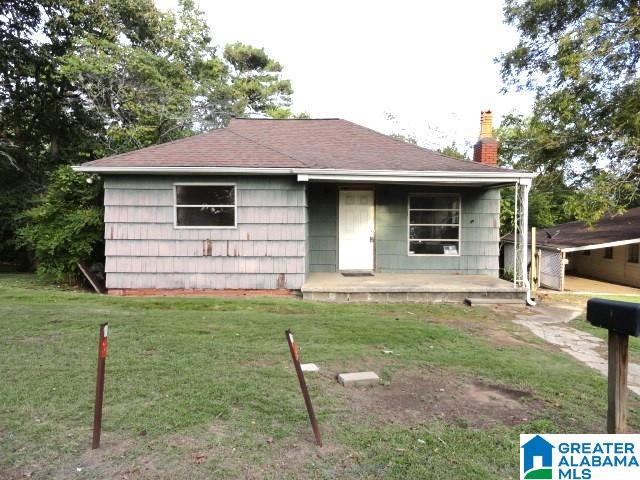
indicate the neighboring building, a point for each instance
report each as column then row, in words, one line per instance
column 266, row 204
column 606, row 251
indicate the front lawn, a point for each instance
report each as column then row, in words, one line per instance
column 204, row 388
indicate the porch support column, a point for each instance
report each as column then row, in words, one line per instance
column 516, row 222
column 525, row 186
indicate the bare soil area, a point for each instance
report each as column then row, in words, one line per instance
column 421, row 397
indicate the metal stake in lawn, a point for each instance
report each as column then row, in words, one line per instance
column 303, row 386
column 621, row 319
column 97, row 414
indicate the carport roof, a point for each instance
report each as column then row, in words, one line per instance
column 609, row 231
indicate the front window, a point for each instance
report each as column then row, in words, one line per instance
column 608, row 253
column 634, row 253
column 434, row 225
column 205, row 206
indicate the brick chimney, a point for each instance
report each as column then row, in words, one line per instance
column 486, row 149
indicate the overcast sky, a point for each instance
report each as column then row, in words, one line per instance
column 430, row 64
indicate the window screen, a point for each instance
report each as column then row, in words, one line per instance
column 434, row 225
column 205, row 206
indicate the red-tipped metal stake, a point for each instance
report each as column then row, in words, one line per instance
column 303, row 386
column 97, row 413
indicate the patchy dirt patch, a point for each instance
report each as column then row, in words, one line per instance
column 297, row 456
column 491, row 322
column 502, row 338
column 441, row 394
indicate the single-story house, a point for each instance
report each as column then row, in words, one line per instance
column 295, row 204
column 607, row 250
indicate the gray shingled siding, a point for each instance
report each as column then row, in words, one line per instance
column 268, row 248
column 323, row 224
column 143, row 249
column 479, row 232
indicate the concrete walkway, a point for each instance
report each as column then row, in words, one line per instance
column 550, row 324
column 589, row 286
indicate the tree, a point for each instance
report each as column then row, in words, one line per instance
column 410, row 138
column 528, row 144
column 65, row 227
column 453, row 151
column 84, row 79
column 580, row 57
column 256, row 79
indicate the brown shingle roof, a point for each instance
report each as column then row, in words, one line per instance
column 266, row 143
column 612, row 228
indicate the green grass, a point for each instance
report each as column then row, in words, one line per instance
column 203, row 388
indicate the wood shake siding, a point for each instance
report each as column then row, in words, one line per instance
column 323, row 227
column 479, row 231
column 145, row 250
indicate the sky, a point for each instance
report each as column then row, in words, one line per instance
column 421, row 68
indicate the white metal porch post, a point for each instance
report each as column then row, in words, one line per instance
column 525, row 184
column 516, row 221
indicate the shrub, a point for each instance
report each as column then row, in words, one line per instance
column 66, row 225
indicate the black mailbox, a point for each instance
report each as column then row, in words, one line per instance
column 621, row 317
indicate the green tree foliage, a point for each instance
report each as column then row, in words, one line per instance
column 65, row 227
column 580, row 57
column 529, row 145
column 453, row 151
column 82, row 79
column 256, row 79
column 405, row 138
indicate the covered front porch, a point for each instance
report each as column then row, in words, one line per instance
column 388, row 287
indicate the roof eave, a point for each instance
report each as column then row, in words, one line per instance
column 581, row 248
column 313, row 174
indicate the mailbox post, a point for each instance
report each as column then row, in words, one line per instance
column 621, row 319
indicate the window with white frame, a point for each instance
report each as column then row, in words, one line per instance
column 434, row 224
column 205, row 205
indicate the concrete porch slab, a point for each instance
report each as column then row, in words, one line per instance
column 407, row 288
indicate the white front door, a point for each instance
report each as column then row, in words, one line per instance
column 356, row 230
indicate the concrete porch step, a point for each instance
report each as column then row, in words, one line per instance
column 406, row 297
column 474, row 301
column 407, row 288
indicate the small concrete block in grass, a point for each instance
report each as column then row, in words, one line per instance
column 357, row 379
column 309, row 367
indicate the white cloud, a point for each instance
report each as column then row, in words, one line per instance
column 429, row 63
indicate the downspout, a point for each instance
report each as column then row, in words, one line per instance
column 526, row 185
column 563, row 266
